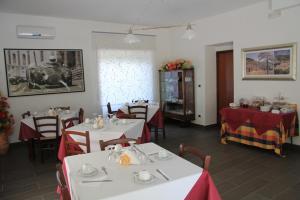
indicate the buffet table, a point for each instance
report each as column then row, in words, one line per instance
column 178, row 180
column 261, row 129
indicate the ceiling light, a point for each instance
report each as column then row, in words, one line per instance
column 130, row 38
column 189, row 33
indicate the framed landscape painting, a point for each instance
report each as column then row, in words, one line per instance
column 43, row 71
column 276, row 62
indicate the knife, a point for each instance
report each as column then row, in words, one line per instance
column 95, row 181
column 163, row 174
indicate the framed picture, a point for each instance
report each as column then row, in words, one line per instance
column 43, row 71
column 276, row 62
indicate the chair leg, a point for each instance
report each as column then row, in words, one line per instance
column 156, row 134
column 33, row 149
column 41, row 152
column 164, row 133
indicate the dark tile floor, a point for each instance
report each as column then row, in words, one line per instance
column 239, row 172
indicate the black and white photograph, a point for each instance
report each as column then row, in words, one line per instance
column 43, row 71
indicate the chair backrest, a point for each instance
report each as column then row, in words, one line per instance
column 67, row 123
column 140, row 111
column 71, row 146
column 62, row 107
column 61, row 181
column 118, row 141
column 80, row 115
column 206, row 159
column 144, row 101
column 26, row 114
column 46, row 125
column 109, row 110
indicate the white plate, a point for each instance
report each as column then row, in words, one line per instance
column 137, row 180
column 169, row 156
column 94, row 172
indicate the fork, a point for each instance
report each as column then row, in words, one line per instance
column 104, row 170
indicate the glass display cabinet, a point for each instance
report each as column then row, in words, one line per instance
column 177, row 94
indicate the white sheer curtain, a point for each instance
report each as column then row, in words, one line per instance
column 125, row 74
column 125, row 71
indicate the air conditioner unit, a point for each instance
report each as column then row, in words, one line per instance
column 35, row 32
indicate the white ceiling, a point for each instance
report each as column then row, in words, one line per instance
column 142, row 12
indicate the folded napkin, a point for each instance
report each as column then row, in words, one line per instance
column 129, row 158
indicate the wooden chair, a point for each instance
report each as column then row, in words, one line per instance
column 81, row 115
column 72, row 147
column 109, row 110
column 67, row 123
column 61, row 181
column 48, row 138
column 141, row 112
column 26, row 114
column 206, row 159
column 144, row 101
column 118, row 141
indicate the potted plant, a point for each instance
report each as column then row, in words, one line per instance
column 6, row 124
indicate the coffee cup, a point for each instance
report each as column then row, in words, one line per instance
column 87, row 120
column 162, row 154
column 144, row 175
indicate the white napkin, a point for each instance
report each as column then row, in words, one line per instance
column 133, row 157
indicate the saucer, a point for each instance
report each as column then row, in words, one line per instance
column 140, row 181
column 93, row 172
column 167, row 157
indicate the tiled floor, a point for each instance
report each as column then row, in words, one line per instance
column 240, row 172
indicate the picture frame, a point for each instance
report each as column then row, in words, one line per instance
column 43, row 71
column 275, row 62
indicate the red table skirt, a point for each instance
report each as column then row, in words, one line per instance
column 204, row 189
column 262, row 121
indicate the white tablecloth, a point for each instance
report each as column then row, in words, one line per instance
column 152, row 109
column 63, row 115
column 183, row 175
column 133, row 128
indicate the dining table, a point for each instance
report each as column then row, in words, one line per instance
column 27, row 128
column 120, row 128
column 172, row 177
column 155, row 116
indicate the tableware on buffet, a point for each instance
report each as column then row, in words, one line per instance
column 265, row 108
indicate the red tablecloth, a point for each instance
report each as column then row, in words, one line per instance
column 204, row 189
column 27, row 132
column 261, row 121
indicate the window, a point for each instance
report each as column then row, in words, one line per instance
column 125, row 74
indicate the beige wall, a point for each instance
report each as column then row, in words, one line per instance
column 246, row 27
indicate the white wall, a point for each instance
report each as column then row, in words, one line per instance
column 246, row 27
column 70, row 34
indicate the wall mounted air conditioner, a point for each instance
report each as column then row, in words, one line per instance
column 35, row 32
